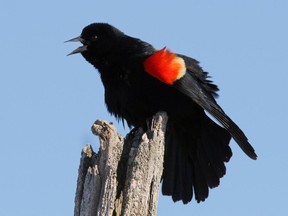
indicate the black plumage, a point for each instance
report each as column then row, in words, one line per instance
column 196, row 148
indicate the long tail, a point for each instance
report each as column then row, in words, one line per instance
column 194, row 159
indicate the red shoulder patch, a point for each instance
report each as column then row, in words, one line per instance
column 165, row 66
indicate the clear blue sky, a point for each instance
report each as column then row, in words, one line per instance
column 49, row 101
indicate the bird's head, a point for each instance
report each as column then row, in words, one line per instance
column 98, row 40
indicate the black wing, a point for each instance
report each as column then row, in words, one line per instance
column 201, row 76
column 195, row 85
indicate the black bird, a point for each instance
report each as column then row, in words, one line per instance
column 140, row 80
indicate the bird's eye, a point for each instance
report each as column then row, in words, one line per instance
column 94, row 37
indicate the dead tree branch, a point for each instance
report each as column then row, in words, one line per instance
column 123, row 178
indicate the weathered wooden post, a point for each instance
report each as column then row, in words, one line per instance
column 123, row 178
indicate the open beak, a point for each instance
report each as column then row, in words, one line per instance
column 79, row 49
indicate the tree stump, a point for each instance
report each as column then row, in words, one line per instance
column 123, row 178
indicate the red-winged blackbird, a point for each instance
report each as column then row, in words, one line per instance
column 140, row 80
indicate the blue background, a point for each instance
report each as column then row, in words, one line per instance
column 49, row 101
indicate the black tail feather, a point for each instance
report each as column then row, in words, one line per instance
column 194, row 159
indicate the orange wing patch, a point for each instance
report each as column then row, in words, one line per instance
column 165, row 66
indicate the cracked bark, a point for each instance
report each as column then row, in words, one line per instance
column 123, row 178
